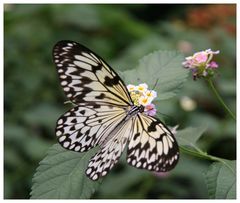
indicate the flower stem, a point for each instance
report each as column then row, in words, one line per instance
column 204, row 155
column 219, row 98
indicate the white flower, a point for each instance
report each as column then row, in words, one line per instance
column 151, row 93
column 131, row 87
column 142, row 87
column 144, row 100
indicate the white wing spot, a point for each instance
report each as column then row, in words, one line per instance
column 66, row 89
column 89, row 171
column 165, row 145
column 63, row 83
column 63, row 76
column 72, row 146
column 66, row 144
column 58, row 133
column 77, row 148
column 134, row 162
column 95, row 177
column 138, row 164
column 62, row 138
column 104, row 173
column 67, row 114
column 60, row 121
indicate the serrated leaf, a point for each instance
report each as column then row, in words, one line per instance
column 163, row 67
column 61, row 175
column 221, row 180
column 189, row 136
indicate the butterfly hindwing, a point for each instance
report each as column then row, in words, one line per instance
column 110, row 151
column 82, row 128
column 152, row 146
column 86, row 78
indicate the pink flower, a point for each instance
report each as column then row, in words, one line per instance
column 212, row 65
column 201, row 64
column 150, row 110
column 200, row 57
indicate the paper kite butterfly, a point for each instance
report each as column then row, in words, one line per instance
column 106, row 116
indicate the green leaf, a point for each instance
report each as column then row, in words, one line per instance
column 127, row 178
column 163, row 67
column 221, row 180
column 61, row 175
column 189, row 136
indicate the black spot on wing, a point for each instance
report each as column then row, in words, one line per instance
column 111, row 81
column 101, row 96
column 82, row 112
column 136, row 136
column 152, row 126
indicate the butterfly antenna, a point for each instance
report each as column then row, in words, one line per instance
column 155, row 85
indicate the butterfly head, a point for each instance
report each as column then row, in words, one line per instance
column 143, row 97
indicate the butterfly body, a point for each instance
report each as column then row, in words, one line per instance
column 106, row 116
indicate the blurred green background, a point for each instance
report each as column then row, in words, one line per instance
column 121, row 34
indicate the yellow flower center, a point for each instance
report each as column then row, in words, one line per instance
column 144, row 100
column 135, row 98
column 149, row 94
column 140, row 88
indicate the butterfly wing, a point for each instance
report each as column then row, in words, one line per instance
column 85, row 77
column 152, row 146
column 84, row 127
column 111, row 150
column 100, row 95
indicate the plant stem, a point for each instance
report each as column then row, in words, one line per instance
column 200, row 154
column 219, row 98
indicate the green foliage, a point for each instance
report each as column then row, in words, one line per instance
column 190, row 136
column 163, row 69
column 121, row 34
column 221, row 180
column 61, row 175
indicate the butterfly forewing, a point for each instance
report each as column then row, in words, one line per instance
column 152, row 146
column 86, row 78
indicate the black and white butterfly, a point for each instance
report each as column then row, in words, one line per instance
column 105, row 116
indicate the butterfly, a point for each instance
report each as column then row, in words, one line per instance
column 104, row 115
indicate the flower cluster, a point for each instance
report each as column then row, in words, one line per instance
column 201, row 64
column 141, row 95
